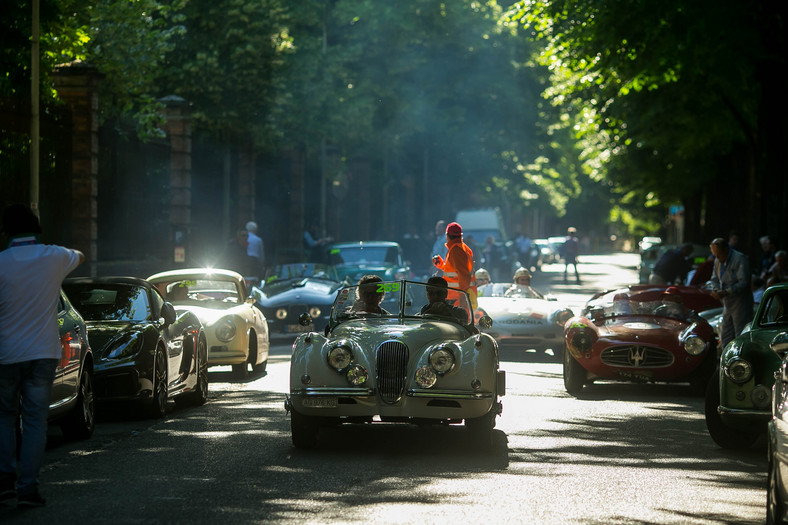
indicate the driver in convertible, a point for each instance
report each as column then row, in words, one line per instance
column 522, row 286
column 437, row 291
column 369, row 295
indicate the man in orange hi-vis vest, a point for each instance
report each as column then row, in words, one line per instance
column 458, row 266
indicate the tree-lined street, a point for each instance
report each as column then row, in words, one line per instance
column 624, row 453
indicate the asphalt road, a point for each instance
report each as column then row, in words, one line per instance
column 625, row 454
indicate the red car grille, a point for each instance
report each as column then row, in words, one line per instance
column 392, row 367
column 637, row 356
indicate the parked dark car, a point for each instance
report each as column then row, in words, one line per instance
column 144, row 353
column 777, row 490
column 352, row 260
column 739, row 398
column 290, row 290
column 72, row 404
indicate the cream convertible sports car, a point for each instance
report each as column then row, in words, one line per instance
column 524, row 320
column 396, row 366
column 236, row 330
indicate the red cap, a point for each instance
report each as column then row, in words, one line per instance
column 453, row 229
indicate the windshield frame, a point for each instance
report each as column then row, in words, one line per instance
column 411, row 299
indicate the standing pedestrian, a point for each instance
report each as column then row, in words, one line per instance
column 673, row 266
column 730, row 283
column 30, row 277
column 439, row 246
column 458, row 266
column 254, row 251
column 569, row 251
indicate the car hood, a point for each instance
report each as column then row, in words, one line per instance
column 646, row 327
column 308, row 292
column 208, row 316
column 102, row 335
column 500, row 308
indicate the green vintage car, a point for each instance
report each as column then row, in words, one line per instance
column 352, row 260
column 739, row 398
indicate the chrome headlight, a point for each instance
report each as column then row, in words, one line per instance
column 126, row 348
column 281, row 313
column 739, row 371
column 582, row 341
column 442, row 359
column 426, row 377
column 357, row 375
column 694, row 345
column 225, row 330
column 340, row 356
column 315, row 312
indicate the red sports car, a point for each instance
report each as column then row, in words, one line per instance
column 642, row 333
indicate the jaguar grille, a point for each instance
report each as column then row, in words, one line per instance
column 392, row 368
column 636, row 356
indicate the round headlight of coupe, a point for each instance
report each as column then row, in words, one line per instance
column 340, row 357
column 426, row 377
column 442, row 359
column 315, row 312
column 225, row 330
column 281, row 313
column 356, row 375
column 694, row 345
column 739, row 371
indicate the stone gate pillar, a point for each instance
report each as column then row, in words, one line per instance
column 177, row 125
column 77, row 83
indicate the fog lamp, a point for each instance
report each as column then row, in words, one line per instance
column 281, row 313
column 315, row 312
column 426, row 377
column 761, row 397
column 357, row 375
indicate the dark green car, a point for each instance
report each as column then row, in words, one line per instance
column 739, row 397
column 352, row 260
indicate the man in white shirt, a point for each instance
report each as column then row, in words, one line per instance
column 30, row 277
column 254, row 249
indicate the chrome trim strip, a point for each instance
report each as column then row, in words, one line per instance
column 333, row 391
column 448, row 394
column 765, row 414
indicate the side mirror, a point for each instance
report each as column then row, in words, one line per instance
column 168, row 313
column 486, row 322
column 305, row 319
column 779, row 344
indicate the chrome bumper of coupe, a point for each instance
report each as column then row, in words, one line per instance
column 448, row 394
column 740, row 412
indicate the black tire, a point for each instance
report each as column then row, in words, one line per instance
column 304, row 430
column 574, row 374
column 241, row 371
column 775, row 506
column 157, row 406
column 700, row 379
column 260, row 368
column 81, row 421
column 723, row 435
column 558, row 353
column 481, row 430
column 199, row 396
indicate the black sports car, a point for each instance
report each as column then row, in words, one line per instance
column 71, row 403
column 290, row 290
column 143, row 352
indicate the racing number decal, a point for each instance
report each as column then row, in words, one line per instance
column 388, row 287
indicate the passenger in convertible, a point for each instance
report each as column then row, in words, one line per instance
column 437, row 292
column 521, row 286
column 369, row 295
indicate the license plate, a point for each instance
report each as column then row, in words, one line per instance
column 320, row 402
column 297, row 328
